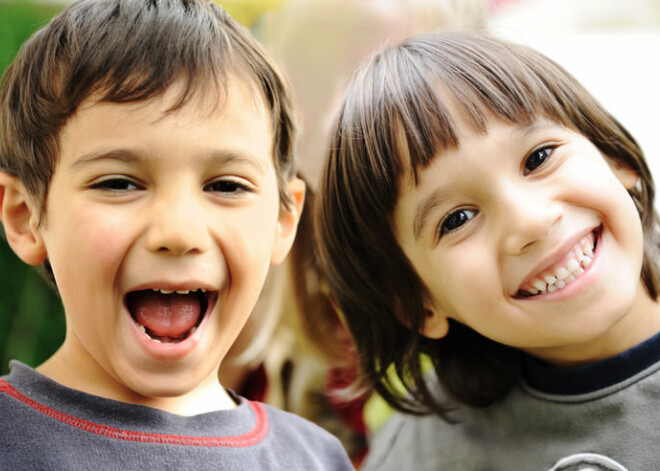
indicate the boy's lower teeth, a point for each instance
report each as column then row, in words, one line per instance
column 167, row 317
column 164, row 339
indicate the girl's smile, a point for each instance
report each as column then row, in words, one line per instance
column 572, row 266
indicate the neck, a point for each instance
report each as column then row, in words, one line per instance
column 208, row 396
column 640, row 323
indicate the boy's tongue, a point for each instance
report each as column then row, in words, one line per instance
column 165, row 315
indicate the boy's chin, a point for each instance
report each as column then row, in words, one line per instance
column 158, row 388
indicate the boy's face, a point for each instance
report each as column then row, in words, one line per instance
column 527, row 235
column 144, row 203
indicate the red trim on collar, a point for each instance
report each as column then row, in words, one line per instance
column 250, row 438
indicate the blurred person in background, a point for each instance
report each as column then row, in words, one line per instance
column 307, row 362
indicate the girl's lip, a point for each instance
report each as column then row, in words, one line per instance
column 556, row 259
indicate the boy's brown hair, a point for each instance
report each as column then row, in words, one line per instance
column 125, row 51
column 391, row 125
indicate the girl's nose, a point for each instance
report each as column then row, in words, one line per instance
column 178, row 226
column 528, row 217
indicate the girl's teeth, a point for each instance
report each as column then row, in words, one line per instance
column 184, row 291
column 539, row 285
column 548, row 283
column 572, row 265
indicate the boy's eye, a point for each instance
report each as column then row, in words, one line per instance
column 116, row 184
column 537, row 158
column 455, row 220
column 226, row 186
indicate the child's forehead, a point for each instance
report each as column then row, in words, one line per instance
column 237, row 124
column 233, row 100
column 449, row 120
column 236, row 93
column 462, row 125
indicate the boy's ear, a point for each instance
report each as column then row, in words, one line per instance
column 20, row 218
column 436, row 324
column 288, row 221
column 626, row 175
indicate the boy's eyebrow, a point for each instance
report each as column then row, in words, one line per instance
column 121, row 155
column 222, row 157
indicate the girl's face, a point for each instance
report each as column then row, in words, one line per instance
column 527, row 234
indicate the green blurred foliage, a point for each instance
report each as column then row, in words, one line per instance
column 247, row 12
column 31, row 317
column 18, row 20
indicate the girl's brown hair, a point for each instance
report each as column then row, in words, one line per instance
column 393, row 123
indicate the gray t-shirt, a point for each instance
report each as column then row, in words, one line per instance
column 46, row 426
column 602, row 416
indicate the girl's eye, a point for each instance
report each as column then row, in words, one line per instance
column 116, row 185
column 537, row 158
column 226, row 186
column 455, row 220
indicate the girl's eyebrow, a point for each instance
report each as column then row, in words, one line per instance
column 428, row 204
column 425, row 208
column 524, row 131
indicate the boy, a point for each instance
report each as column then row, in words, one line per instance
column 481, row 210
column 147, row 163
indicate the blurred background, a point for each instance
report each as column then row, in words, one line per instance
column 612, row 46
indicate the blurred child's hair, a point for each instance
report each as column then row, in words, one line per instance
column 392, row 124
column 125, row 51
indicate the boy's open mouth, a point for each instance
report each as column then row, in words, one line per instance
column 168, row 316
column 567, row 271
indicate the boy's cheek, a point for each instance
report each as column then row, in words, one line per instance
column 94, row 242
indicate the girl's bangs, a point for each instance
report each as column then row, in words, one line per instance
column 514, row 85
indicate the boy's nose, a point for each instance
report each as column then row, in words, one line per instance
column 177, row 226
column 528, row 218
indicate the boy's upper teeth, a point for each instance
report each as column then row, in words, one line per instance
column 559, row 276
column 179, row 291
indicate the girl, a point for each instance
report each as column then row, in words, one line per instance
column 480, row 209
